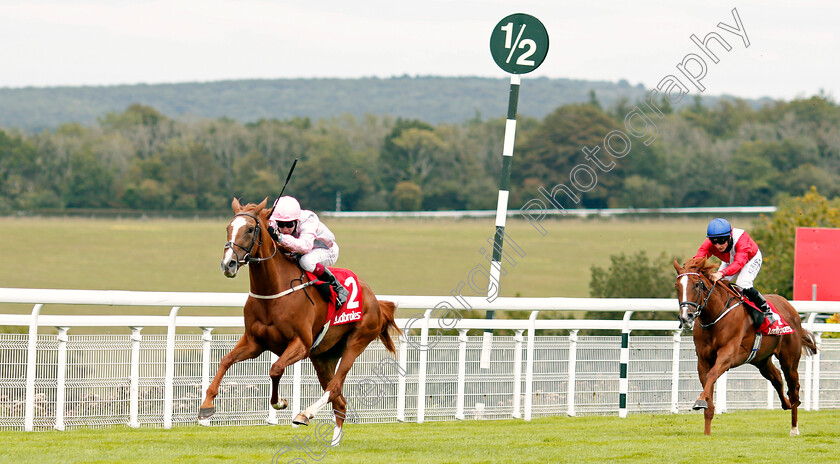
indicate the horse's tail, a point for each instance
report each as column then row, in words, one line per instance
column 809, row 343
column 386, row 316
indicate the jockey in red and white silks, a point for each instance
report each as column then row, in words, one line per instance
column 301, row 232
column 740, row 262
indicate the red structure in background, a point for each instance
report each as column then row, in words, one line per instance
column 817, row 261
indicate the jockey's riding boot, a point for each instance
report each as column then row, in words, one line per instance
column 756, row 297
column 341, row 293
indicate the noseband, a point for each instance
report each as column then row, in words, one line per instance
column 255, row 239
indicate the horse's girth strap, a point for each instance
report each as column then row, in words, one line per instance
column 756, row 345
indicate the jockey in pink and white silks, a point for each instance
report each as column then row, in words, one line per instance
column 302, row 233
column 740, row 261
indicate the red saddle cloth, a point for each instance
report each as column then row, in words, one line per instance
column 777, row 326
column 352, row 309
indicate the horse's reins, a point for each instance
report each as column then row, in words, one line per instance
column 284, row 292
column 247, row 258
column 702, row 305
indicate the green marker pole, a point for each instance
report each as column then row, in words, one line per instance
column 518, row 44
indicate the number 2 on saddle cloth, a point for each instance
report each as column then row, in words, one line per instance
column 352, row 310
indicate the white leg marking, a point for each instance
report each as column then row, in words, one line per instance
column 317, row 406
column 794, row 431
column 336, row 440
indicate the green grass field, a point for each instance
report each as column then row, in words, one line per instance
column 737, row 437
column 395, row 256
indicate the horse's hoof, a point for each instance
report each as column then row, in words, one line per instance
column 282, row 404
column 205, row 413
column 794, row 431
column 300, row 419
column 700, row 404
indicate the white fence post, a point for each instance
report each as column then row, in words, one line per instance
column 624, row 361
column 61, row 377
column 771, row 393
column 806, row 391
column 31, row 365
column 517, row 374
column 675, row 373
column 529, row 365
column 134, row 385
column 815, row 401
column 462, row 374
column 297, row 377
column 421, row 368
column 169, row 376
column 572, row 369
column 721, row 390
column 401, row 381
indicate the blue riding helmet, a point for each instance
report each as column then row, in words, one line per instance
column 718, row 227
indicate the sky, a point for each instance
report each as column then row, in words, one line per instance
column 793, row 46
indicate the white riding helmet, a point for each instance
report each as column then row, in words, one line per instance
column 285, row 209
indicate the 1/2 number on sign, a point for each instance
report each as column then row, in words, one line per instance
column 526, row 43
column 519, row 43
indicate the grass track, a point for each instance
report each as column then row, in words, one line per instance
column 742, row 437
column 395, row 256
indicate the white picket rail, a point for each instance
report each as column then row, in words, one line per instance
column 436, row 313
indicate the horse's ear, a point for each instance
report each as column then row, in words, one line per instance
column 235, row 205
column 677, row 266
column 261, row 206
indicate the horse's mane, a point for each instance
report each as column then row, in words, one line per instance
column 700, row 265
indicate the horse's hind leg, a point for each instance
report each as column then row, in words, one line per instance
column 354, row 347
column 769, row 371
column 790, row 366
column 325, row 368
column 246, row 348
column 295, row 351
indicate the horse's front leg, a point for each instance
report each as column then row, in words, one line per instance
column 703, row 367
column 295, row 351
column 723, row 362
column 246, row 348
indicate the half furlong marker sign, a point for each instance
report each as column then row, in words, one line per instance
column 519, row 44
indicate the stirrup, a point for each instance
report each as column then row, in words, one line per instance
column 341, row 295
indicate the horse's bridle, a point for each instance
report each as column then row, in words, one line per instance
column 255, row 239
column 701, row 306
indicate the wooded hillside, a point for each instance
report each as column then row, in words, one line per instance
column 728, row 154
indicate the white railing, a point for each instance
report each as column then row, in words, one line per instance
column 430, row 362
column 575, row 212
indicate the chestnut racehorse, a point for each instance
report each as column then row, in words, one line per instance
column 725, row 336
column 286, row 319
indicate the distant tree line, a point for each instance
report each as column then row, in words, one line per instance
column 428, row 98
column 730, row 154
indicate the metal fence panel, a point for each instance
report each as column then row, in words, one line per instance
column 97, row 379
